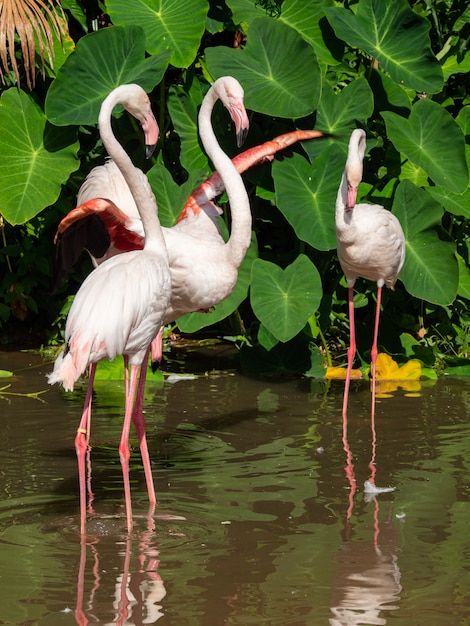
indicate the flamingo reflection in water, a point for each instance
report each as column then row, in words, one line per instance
column 368, row 579
column 139, row 588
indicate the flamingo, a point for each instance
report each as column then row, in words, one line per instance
column 107, row 228
column 370, row 244
column 204, row 269
column 121, row 305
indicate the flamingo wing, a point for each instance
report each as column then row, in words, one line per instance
column 98, row 224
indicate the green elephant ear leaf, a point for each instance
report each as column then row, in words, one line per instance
column 306, row 195
column 430, row 271
column 396, row 36
column 101, row 62
column 173, row 25
column 283, row 300
column 272, row 84
column 36, row 158
column 431, row 139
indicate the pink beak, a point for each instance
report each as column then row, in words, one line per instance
column 352, row 195
column 240, row 119
column 151, row 132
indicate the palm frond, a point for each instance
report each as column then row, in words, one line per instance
column 34, row 23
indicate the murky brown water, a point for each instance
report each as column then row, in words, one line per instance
column 256, row 521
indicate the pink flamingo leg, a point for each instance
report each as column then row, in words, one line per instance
column 124, row 451
column 351, row 349
column 138, row 420
column 82, row 446
column 374, row 352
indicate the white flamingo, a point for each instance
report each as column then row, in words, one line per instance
column 204, row 269
column 121, row 306
column 370, row 244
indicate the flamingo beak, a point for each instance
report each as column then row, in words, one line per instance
column 240, row 119
column 352, row 195
column 151, row 132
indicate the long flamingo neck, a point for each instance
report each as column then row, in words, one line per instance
column 234, row 186
column 144, row 199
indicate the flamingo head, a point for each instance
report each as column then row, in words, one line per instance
column 231, row 93
column 354, row 165
column 138, row 105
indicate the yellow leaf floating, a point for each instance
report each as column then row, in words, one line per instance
column 388, row 369
column 339, row 373
column 389, row 376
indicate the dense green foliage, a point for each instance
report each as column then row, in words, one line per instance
column 399, row 69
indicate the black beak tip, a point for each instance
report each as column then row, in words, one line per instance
column 241, row 136
column 149, row 150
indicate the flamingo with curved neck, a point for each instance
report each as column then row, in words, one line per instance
column 370, row 244
column 204, row 269
column 111, row 225
column 121, row 306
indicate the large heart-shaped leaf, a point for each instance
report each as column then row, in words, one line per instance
column 273, row 85
column 174, row 25
column 306, row 195
column 101, row 62
column 36, row 158
column 431, row 139
column 430, row 271
column 283, row 300
column 394, row 35
column 194, row 321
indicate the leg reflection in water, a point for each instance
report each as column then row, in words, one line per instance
column 367, row 582
column 139, row 588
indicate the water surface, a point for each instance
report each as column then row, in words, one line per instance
column 263, row 516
